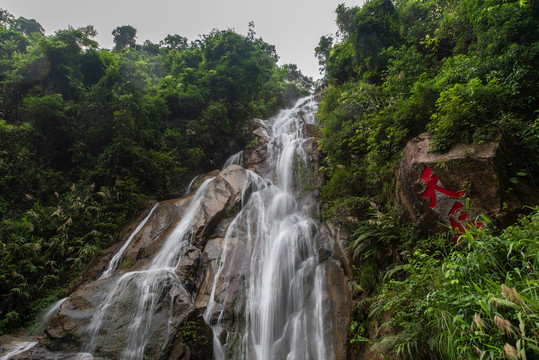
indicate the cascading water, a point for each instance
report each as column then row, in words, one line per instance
column 243, row 250
column 237, row 158
column 282, row 310
column 20, row 348
column 143, row 290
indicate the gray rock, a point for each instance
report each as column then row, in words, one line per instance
column 177, row 326
column 228, row 292
column 256, row 156
column 173, row 314
column 470, row 170
column 339, row 300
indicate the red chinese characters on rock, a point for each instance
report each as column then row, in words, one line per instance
column 457, row 217
column 432, row 187
column 457, row 227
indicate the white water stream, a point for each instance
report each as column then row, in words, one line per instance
column 237, row 159
column 283, row 306
column 146, row 287
column 113, row 264
column 19, row 348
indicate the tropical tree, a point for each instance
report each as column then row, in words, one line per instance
column 124, row 36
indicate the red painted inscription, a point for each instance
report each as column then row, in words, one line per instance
column 432, row 187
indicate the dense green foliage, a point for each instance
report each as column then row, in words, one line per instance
column 465, row 71
column 479, row 300
column 87, row 134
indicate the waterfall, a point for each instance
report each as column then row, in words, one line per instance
column 239, row 257
column 189, row 187
column 237, row 158
column 283, row 315
column 45, row 316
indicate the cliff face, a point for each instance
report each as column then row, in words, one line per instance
column 177, row 327
column 193, row 298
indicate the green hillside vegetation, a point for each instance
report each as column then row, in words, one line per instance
column 88, row 134
column 467, row 72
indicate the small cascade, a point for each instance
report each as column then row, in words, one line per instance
column 282, row 301
column 20, row 348
column 113, row 264
column 237, row 159
column 189, row 187
column 143, row 290
column 45, row 316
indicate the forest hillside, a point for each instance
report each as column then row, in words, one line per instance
column 460, row 73
column 411, row 92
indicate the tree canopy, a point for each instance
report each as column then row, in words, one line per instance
column 124, row 36
column 465, row 71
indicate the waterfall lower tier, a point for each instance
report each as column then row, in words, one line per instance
column 240, row 268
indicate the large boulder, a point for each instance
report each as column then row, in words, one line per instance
column 231, row 281
column 432, row 188
column 220, row 200
column 172, row 311
column 177, row 326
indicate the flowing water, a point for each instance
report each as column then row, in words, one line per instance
column 237, row 159
column 113, row 264
column 278, row 312
column 146, row 289
column 19, row 348
column 45, row 316
column 283, row 314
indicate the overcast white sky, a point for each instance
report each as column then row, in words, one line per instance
column 293, row 26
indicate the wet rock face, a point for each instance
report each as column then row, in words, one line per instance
column 69, row 325
column 188, row 267
column 235, row 275
column 339, row 299
column 178, row 330
column 430, row 185
column 256, row 155
column 221, row 199
column 177, row 326
column 39, row 352
column 175, row 311
column 151, row 237
column 193, row 340
column 312, row 148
